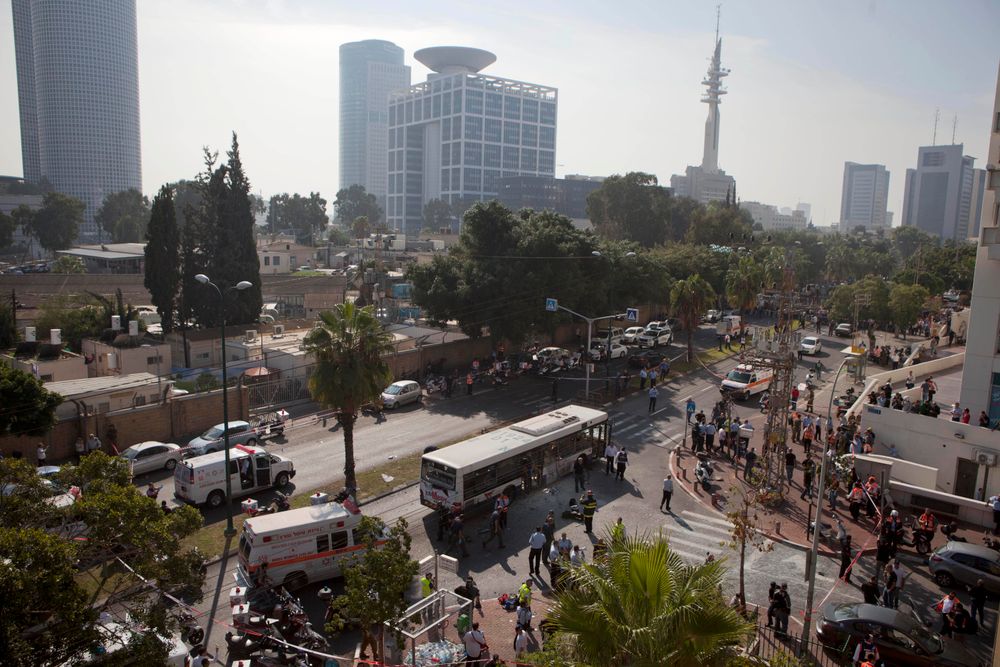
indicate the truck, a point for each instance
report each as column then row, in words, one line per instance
column 729, row 324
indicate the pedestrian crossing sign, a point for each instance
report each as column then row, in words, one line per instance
column 632, row 314
column 551, row 305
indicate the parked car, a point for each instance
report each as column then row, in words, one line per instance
column 644, row 359
column 811, row 345
column 631, row 334
column 598, row 351
column 844, row 330
column 152, row 455
column 654, row 336
column 964, row 564
column 547, row 354
column 902, row 641
column 213, row 440
column 400, row 393
column 711, row 316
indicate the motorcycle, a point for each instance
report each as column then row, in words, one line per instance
column 920, row 540
column 950, row 531
column 191, row 631
column 703, row 472
column 435, row 384
column 765, row 401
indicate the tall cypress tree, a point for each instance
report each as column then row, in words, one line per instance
column 163, row 267
column 237, row 226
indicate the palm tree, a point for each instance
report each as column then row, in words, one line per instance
column 348, row 345
column 641, row 604
column 743, row 283
column 688, row 300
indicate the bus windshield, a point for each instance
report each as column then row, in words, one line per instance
column 438, row 474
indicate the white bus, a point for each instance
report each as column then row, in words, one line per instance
column 532, row 452
column 299, row 546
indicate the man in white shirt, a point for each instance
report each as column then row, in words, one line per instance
column 520, row 642
column 668, row 491
column 536, row 542
column 610, row 453
column 475, row 643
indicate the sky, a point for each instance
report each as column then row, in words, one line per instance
column 814, row 83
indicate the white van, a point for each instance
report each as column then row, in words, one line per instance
column 617, row 334
column 202, row 479
column 744, row 381
column 299, row 546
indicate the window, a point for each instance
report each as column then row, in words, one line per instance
column 474, row 128
column 529, row 110
column 48, row 378
column 933, row 159
column 437, row 106
column 104, row 407
column 276, row 260
column 546, row 137
column 529, row 135
column 491, row 156
column 547, row 114
column 474, row 101
column 512, row 108
column 473, row 153
column 456, row 102
column 322, row 543
column 456, row 153
column 473, row 179
column 529, row 159
column 154, row 360
column 494, row 105
column 446, row 155
column 456, row 129
column 267, row 260
column 511, row 157
column 494, row 130
column 201, row 355
column 338, row 540
column 512, row 133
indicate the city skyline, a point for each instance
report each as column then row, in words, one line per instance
column 800, row 98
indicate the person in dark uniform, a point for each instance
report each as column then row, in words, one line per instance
column 589, row 504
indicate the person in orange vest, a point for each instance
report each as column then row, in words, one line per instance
column 873, row 495
column 928, row 524
column 855, row 497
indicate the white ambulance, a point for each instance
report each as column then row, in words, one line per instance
column 299, row 546
column 744, row 381
column 202, row 479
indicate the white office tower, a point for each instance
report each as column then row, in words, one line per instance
column 454, row 136
column 864, row 197
column 369, row 71
column 78, row 97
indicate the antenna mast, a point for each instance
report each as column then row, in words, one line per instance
column 937, row 117
column 718, row 17
column 954, row 127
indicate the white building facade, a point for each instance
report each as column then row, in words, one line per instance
column 78, row 98
column 864, row 196
column 771, row 219
column 454, row 136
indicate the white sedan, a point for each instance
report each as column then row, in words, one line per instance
column 618, row 351
column 632, row 334
column 810, row 345
column 149, row 456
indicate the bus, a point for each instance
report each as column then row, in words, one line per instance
column 536, row 451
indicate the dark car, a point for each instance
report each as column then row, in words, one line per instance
column 902, row 640
column 644, row 359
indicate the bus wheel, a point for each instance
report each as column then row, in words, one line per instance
column 296, row 580
column 216, row 498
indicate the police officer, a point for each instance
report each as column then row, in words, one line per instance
column 589, row 504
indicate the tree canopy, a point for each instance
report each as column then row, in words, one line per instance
column 163, row 262
column 437, row 214
column 7, row 227
column 305, row 216
column 124, row 216
column 354, row 202
column 55, row 224
column 31, row 407
column 67, row 264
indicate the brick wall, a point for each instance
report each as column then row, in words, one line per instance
column 178, row 420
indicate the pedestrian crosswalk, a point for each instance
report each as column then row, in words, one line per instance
column 694, row 535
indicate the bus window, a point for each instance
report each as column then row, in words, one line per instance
column 439, row 475
column 338, row 540
column 480, row 481
column 322, row 543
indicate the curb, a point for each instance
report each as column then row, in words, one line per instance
column 366, row 501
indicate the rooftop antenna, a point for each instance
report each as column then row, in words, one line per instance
column 718, row 17
column 954, row 127
column 937, row 117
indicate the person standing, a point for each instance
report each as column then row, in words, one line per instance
column 783, row 608
column 668, row 492
column 40, row 453
column 502, row 504
column 520, row 642
column 81, row 448
column 771, row 591
column 944, row 606
column 846, row 558
column 808, row 472
column 93, row 444
column 621, row 461
column 890, row 594
column 653, row 393
column 549, row 530
column 710, row 431
column 589, row 505
column 496, row 529
column 579, row 475
column 751, row 458
column 610, row 452
column 643, row 374
column 978, row 605
column 870, row 590
column 476, row 649
column 536, row 543
column 789, row 464
column 458, row 535
column 994, row 502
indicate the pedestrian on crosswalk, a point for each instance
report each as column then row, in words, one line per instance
column 668, row 492
column 653, row 393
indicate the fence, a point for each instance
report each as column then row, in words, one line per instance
column 266, row 396
column 770, row 643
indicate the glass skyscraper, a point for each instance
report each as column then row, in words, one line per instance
column 454, row 136
column 369, row 71
column 78, row 97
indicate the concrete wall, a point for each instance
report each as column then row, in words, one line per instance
column 932, row 367
column 177, row 420
column 127, row 360
column 67, row 367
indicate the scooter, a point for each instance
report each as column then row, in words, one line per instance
column 191, row 631
column 703, row 473
column 435, row 384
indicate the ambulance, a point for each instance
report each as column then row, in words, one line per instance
column 300, row 546
column 744, row 381
column 202, row 479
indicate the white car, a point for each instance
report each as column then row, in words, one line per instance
column 400, row 393
column 149, row 456
column 597, row 349
column 810, row 345
column 631, row 334
column 655, row 336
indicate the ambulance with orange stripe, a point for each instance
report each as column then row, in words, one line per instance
column 744, row 381
column 300, row 546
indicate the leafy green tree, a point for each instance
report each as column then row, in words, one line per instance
column 338, row 236
column 55, row 224
column 721, row 225
column 68, row 264
column 349, row 346
column 681, row 260
column 642, row 605
column 77, row 318
column 305, row 215
column 163, row 258
column 633, row 207
column 906, row 302
column 124, row 215
column 23, row 217
column 437, row 214
column 8, row 326
column 376, row 582
column 7, row 227
column 843, row 298
column 353, row 202
column 36, row 405
column 743, row 283
column 689, row 299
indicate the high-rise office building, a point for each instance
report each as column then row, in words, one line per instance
column 369, row 71
column 454, row 136
column 981, row 373
column 938, row 197
column 78, row 97
column 708, row 183
column 864, row 197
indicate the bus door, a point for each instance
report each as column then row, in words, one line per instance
column 262, row 463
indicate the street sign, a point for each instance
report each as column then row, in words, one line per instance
column 632, row 314
column 551, row 305
column 690, row 407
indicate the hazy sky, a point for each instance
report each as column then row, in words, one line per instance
column 813, row 83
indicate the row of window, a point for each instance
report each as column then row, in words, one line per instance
column 480, row 129
column 477, row 103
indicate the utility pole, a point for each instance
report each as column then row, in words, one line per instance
column 13, row 312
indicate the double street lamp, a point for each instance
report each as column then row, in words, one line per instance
column 240, row 286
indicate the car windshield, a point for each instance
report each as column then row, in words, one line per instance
column 738, row 376
column 213, row 433
column 130, row 453
column 808, row 341
column 393, row 389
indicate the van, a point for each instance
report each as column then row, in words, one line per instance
column 617, row 333
column 299, row 546
column 728, row 324
column 744, row 381
column 202, row 479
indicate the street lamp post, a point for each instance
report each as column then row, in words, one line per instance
column 242, row 285
column 811, row 560
column 607, row 359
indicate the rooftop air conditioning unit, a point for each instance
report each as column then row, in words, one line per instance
column 279, row 331
column 116, row 323
column 55, row 336
column 133, row 328
column 29, row 334
column 250, row 335
column 986, row 459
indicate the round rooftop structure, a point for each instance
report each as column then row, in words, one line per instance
column 454, row 59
